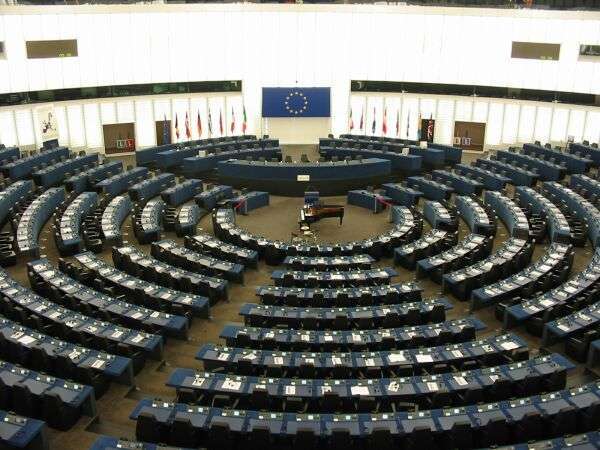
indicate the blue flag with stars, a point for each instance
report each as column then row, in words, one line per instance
column 296, row 102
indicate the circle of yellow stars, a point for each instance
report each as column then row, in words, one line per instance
column 302, row 98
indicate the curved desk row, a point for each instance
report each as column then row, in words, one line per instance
column 21, row 168
column 329, row 178
column 396, row 338
column 406, row 164
column 197, row 165
column 54, row 174
column 86, row 180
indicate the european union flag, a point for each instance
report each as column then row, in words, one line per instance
column 296, row 102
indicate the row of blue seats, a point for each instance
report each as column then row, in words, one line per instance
column 113, row 217
column 403, row 337
column 56, row 173
column 13, row 195
column 517, row 175
column 47, row 280
column 198, row 165
column 534, row 376
column 151, row 187
column 18, row 432
column 370, row 200
column 9, row 154
column 586, row 151
column 558, row 226
column 24, row 306
column 471, row 249
column 546, row 170
column 368, row 277
column 33, row 394
column 34, row 218
column 401, row 194
column 187, row 219
column 440, row 216
column 461, row 184
column 206, row 243
column 405, row 163
column 120, row 182
column 511, row 256
column 588, row 187
column 568, row 297
column 328, row 263
column 68, row 236
column 573, row 163
column 87, row 179
column 148, row 155
column 509, row 213
column 486, row 352
column 345, row 318
column 213, row 195
column 275, row 252
column 177, row 255
column 340, row 296
column 478, row 219
column 547, row 271
column 147, row 220
column 509, row 421
column 429, row 244
column 431, row 189
column 491, row 180
column 577, row 205
column 23, row 167
column 175, row 157
column 91, row 270
column 131, row 260
column 182, row 192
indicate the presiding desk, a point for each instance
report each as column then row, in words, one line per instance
column 329, row 178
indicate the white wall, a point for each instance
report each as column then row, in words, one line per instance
column 80, row 122
column 285, row 45
column 508, row 122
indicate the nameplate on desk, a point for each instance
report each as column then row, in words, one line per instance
column 302, row 177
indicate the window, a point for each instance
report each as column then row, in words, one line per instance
column 535, row 50
column 589, row 50
column 51, row 49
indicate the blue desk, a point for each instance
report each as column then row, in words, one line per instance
column 209, row 198
column 475, row 215
column 430, row 189
column 402, row 337
column 372, row 201
column 573, row 163
column 151, row 187
column 518, row 176
column 402, row 194
column 22, row 432
column 188, row 218
column 511, row 215
column 433, row 158
column 460, row 183
column 332, row 279
column 22, row 168
column 69, row 237
column 9, row 154
column 547, row 171
column 491, row 179
column 439, row 216
column 586, row 151
column 54, row 174
column 329, row 178
column 558, row 226
column 205, row 242
column 148, row 293
column 452, row 155
column 12, row 195
column 586, row 185
column 182, row 192
column 249, row 201
column 429, row 244
column 199, row 165
column 86, row 180
column 407, row 164
column 113, row 217
column 112, row 443
column 147, row 221
column 119, row 183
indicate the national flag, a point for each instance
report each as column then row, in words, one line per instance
column 351, row 124
column 407, row 125
column 221, row 122
column 384, row 123
column 188, row 130
column 165, row 133
column 245, row 119
column 362, row 119
column 176, row 126
column 419, row 125
column 232, row 120
column 397, row 122
column 199, row 124
column 430, row 129
column 210, row 130
column 374, row 124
